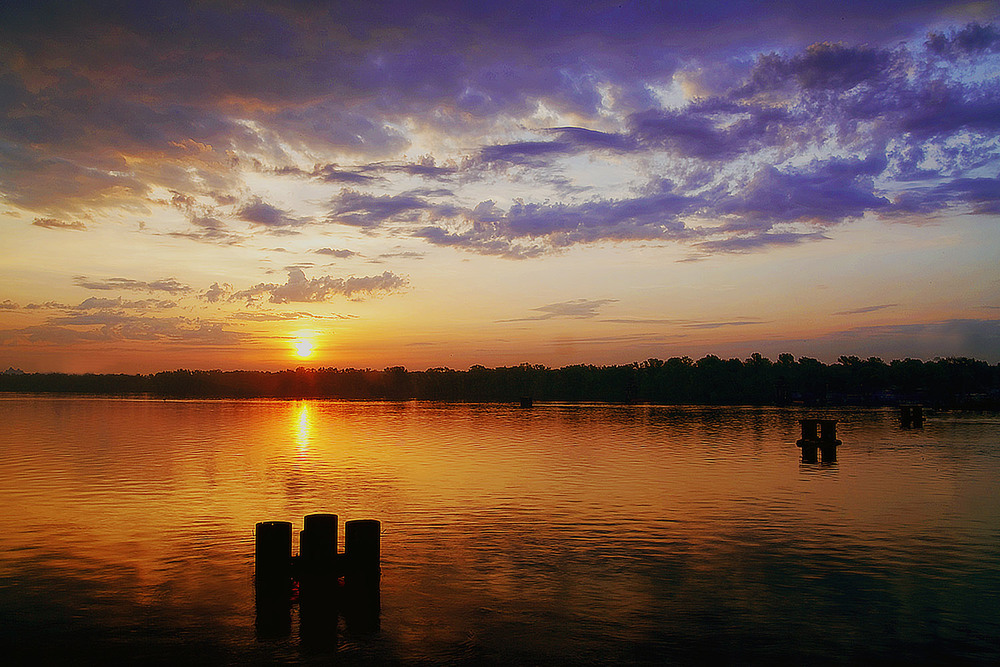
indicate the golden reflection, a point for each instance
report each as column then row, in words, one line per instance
column 303, row 427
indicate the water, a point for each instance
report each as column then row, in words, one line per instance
column 560, row 534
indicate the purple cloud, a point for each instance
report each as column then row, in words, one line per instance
column 169, row 285
column 261, row 213
column 298, row 288
column 576, row 309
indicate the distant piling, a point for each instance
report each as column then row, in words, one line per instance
column 818, row 435
column 526, row 401
column 911, row 416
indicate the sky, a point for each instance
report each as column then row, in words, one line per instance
column 265, row 185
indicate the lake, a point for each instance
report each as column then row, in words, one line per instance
column 556, row 534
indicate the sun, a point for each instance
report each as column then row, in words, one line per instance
column 303, row 348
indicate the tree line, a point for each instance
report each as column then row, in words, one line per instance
column 946, row 382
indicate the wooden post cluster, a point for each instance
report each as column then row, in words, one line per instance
column 318, row 556
column 911, row 416
column 325, row 583
column 818, row 435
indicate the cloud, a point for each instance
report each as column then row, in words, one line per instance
column 52, row 223
column 823, row 66
column 754, row 241
column 209, row 229
column 523, row 152
column 301, row 289
column 7, row 304
column 169, row 285
column 218, row 292
column 143, row 304
column 48, row 305
column 719, row 325
column 338, row 253
column 981, row 195
column 972, row 39
column 106, row 106
column 112, row 326
column 867, row 309
column 272, row 316
column 976, row 338
column 365, row 210
column 826, row 192
column 576, row 309
column 527, row 229
column 405, row 254
column 259, row 212
column 332, row 173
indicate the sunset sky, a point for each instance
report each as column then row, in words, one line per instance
column 367, row 184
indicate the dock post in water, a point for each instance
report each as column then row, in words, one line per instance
column 362, row 546
column 526, row 401
column 273, row 579
column 818, row 435
column 362, row 551
column 273, row 551
column 318, row 545
column 911, row 416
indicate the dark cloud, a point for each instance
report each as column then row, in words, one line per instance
column 406, row 254
column 338, row 253
column 576, row 309
column 867, row 309
column 217, row 292
column 719, row 325
column 209, row 229
column 584, row 138
column 756, row 241
column 95, row 302
column 365, row 210
column 169, row 285
column 331, row 173
column 48, row 305
column 524, row 152
column 272, row 316
column 52, row 223
column 825, row 192
column 7, row 304
column 823, row 66
column 980, row 195
column 112, row 325
column 972, row 39
column 259, row 212
column 976, row 338
column 305, row 290
column 711, row 130
column 104, row 104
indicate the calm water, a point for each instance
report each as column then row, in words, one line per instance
column 559, row 534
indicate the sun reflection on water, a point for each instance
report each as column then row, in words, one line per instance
column 303, row 427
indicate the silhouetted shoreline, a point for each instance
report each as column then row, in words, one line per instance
column 943, row 383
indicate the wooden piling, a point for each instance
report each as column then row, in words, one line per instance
column 318, row 544
column 818, row 435
column 911, row 416
column 273, row 550
column 362, row 546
